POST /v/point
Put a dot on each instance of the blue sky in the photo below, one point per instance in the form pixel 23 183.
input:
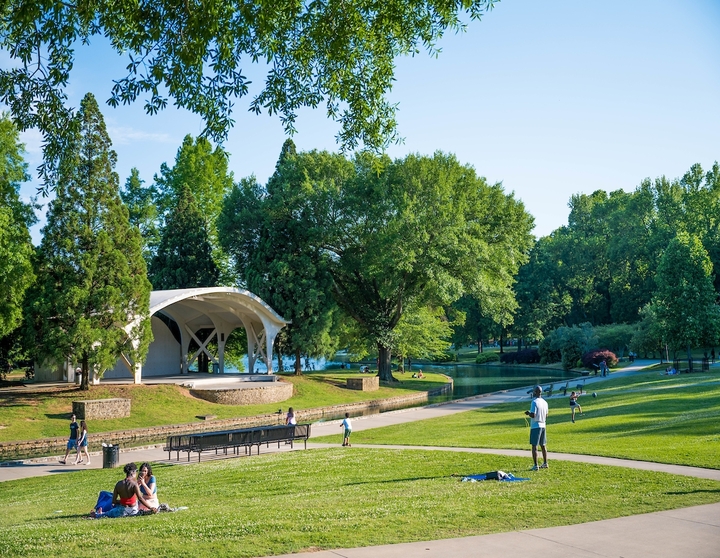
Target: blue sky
pixel 549 98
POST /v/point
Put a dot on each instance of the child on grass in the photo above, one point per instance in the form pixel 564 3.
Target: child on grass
pixel 574 405
pixel 347 426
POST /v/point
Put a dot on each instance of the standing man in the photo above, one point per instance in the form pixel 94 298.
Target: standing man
pixel 538 413
pixel 72 441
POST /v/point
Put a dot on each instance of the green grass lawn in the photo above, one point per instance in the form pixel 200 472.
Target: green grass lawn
pixel 40 415
pixel 321 499
pixel 651 417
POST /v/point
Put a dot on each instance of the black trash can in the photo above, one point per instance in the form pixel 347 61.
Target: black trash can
pixel 111 456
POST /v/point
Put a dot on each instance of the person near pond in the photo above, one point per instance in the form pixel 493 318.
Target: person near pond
pixel 72 441
pixel 346 425
pixel 126 496
pixel 290 419
pixel 604 368
pixel 574 405
pixel 538 414
pixel 82 445
pixel 148 487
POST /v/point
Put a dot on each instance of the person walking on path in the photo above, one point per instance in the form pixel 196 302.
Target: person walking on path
pixel 347 426
pixel 574 405
pixel 538 413
pixel 72 441
pixel 82 444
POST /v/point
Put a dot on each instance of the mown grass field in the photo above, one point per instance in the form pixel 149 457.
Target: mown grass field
pixel 321 499
pixel 46 414
pixel 651 417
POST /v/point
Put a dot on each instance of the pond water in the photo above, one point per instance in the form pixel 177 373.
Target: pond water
pixel 469 379
pixel 473 379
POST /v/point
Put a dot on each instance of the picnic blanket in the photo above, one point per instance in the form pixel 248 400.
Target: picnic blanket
pixel 494 475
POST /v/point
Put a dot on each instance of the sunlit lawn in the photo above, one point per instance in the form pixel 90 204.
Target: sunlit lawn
pixel 40 415
pixel 340 497
pixel 667 419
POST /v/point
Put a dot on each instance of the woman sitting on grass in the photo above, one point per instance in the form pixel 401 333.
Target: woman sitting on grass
pixel 126 496
pixel 148 486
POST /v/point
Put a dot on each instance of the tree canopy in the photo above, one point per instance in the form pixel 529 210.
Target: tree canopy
pixel 91 276
pixel 340 53
pixel 16 249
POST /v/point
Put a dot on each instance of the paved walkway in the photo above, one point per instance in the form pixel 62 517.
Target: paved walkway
pixel 685 533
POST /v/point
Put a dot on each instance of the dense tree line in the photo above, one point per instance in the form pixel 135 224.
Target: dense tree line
pixel 650 258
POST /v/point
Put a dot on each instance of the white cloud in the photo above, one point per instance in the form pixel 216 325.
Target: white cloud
pixel 123 136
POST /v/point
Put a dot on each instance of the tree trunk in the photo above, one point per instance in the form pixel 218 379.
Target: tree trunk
pixel 409 365
pixel 384 368
pixel 480 346
pixel 298 363
pixel 85 383
pixel 280 362
pixel 502 332
pixel 520 340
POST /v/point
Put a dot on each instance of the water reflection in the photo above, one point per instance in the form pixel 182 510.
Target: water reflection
pixel 473 379
pixel 469 379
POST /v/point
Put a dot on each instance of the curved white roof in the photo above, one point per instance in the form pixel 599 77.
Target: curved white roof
pixel 227 303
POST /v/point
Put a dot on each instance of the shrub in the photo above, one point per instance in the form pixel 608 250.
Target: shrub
pixel 615 337
pixel 567 344
pixel 592 359
pixel 483 358
pixel 525 356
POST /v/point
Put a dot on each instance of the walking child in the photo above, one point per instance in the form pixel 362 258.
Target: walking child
pixel 574 405
pixel 347 426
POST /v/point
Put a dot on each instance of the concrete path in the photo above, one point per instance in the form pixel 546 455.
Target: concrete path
pixel 684 533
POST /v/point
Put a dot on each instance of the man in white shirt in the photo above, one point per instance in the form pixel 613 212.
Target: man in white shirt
pixel 538 414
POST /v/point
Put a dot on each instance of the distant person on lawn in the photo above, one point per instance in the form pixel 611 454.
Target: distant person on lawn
pixel 72 441
pixel 574 405
pixel 126 496
pixel 347 426
pixel 538 413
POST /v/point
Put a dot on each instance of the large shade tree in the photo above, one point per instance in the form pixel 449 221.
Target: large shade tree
pixel 91 276
pixel 338 53
pixel 417 232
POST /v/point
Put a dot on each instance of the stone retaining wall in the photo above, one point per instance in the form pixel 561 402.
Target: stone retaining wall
pixel 371 383
pixel 138 436
pixel 273 393
pixel 100 409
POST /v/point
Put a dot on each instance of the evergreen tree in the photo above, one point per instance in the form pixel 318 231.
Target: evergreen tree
pixel 184 256
pixel 278 257
pixel 204 171
pixel 16 249
pixel 143 212
pixel 91 276
pixel 685 302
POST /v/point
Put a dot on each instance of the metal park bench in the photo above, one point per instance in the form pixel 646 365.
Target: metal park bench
pixel 244 438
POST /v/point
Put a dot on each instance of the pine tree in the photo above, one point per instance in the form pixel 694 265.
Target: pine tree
pixel 16 248
pixel 143 212
pixel 184 257
pixel 91 276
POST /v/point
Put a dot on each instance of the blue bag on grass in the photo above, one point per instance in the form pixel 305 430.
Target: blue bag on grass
pixel 104 501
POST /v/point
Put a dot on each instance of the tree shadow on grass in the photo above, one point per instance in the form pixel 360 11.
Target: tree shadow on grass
pixel 698 491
